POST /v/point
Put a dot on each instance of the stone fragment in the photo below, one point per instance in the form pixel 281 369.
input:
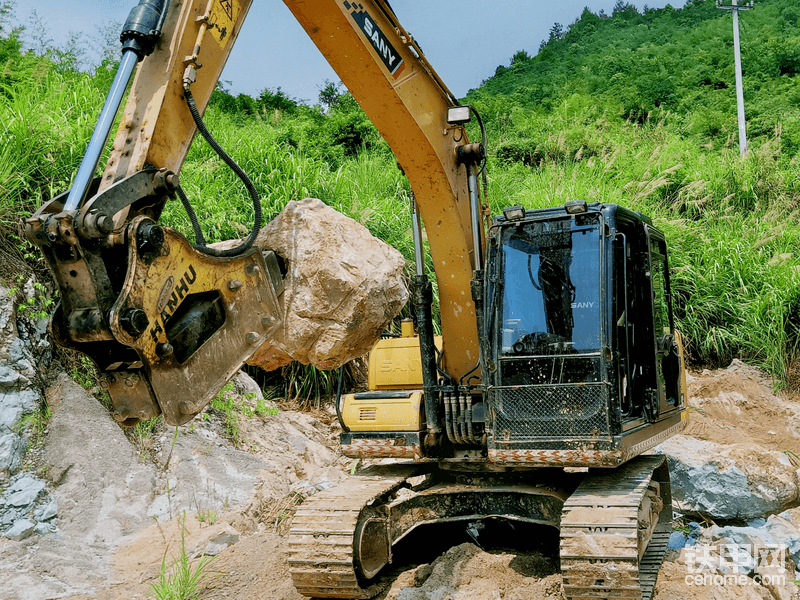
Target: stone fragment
pixel 677 540
pixel 24 491
pixel 21 529
pixel 14 404
pixel 43 528
pixel 12 449
pixel 47 511
pixel 7 517
pixel 220 542
pixel 783 531
pixel 745 536
pixel 246 386
pixel 343 287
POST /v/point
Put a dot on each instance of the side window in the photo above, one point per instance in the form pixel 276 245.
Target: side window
pixel 658 269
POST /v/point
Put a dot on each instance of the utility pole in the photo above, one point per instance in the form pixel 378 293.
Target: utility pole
pixel 735 7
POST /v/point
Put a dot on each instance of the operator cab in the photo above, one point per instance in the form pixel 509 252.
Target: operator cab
pixel 583 351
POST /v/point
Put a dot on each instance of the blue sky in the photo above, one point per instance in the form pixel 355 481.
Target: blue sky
pixel 464 40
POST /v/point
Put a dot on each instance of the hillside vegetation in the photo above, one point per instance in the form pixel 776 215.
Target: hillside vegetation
pixel 632 108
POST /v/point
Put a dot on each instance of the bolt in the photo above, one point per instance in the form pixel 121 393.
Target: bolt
pixel 104 383
pixel 252 270
pixel 134 322
pixel 267 321
pixel 173 180
pixel 130 381
pixel 187 408
pixel 252 337
pixel 150 237
pixel 165 349
pixel 105 224
pixel 235 285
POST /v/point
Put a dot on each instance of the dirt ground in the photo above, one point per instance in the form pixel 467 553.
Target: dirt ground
pixel 737 405
pixel 732 405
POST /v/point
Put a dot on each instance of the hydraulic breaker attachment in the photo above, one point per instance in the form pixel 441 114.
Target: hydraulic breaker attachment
pixel 158 317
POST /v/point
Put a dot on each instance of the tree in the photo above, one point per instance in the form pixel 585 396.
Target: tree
pixel 556 31
pixel 519 57
pixel 276 100
pixel 330 95
pixel 107 43
pixel 625 8
pixel 6 12
pixel 36 34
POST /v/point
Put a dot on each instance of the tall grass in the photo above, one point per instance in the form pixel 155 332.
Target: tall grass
pixel 46 119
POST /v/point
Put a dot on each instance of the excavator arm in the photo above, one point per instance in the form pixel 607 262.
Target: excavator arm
pixel 161 317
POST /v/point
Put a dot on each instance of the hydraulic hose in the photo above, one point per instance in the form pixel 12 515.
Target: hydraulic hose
pixel 251 189
pixel 345 428
pixel 198 232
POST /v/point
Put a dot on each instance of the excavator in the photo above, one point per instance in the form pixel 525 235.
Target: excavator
pixel 557 368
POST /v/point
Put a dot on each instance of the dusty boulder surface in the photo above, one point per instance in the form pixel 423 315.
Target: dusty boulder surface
pixel 729 481
pixel 343 286
pixel 101 496
pixel 112 511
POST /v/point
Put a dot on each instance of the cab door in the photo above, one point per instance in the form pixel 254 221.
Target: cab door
pixel 667 354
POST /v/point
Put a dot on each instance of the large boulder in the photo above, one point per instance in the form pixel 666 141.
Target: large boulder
pixel 343 287
pixel 736 481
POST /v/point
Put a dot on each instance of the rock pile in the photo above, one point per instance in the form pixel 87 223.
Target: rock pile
pixel 27 507
pixel 21 348
pixel 736 468
pixel 758 560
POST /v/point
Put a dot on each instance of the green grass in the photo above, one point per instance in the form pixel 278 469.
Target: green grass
pixel 183 580
pixel 142 435
pixel 35 422
pixel 233 409
pixel 225 403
